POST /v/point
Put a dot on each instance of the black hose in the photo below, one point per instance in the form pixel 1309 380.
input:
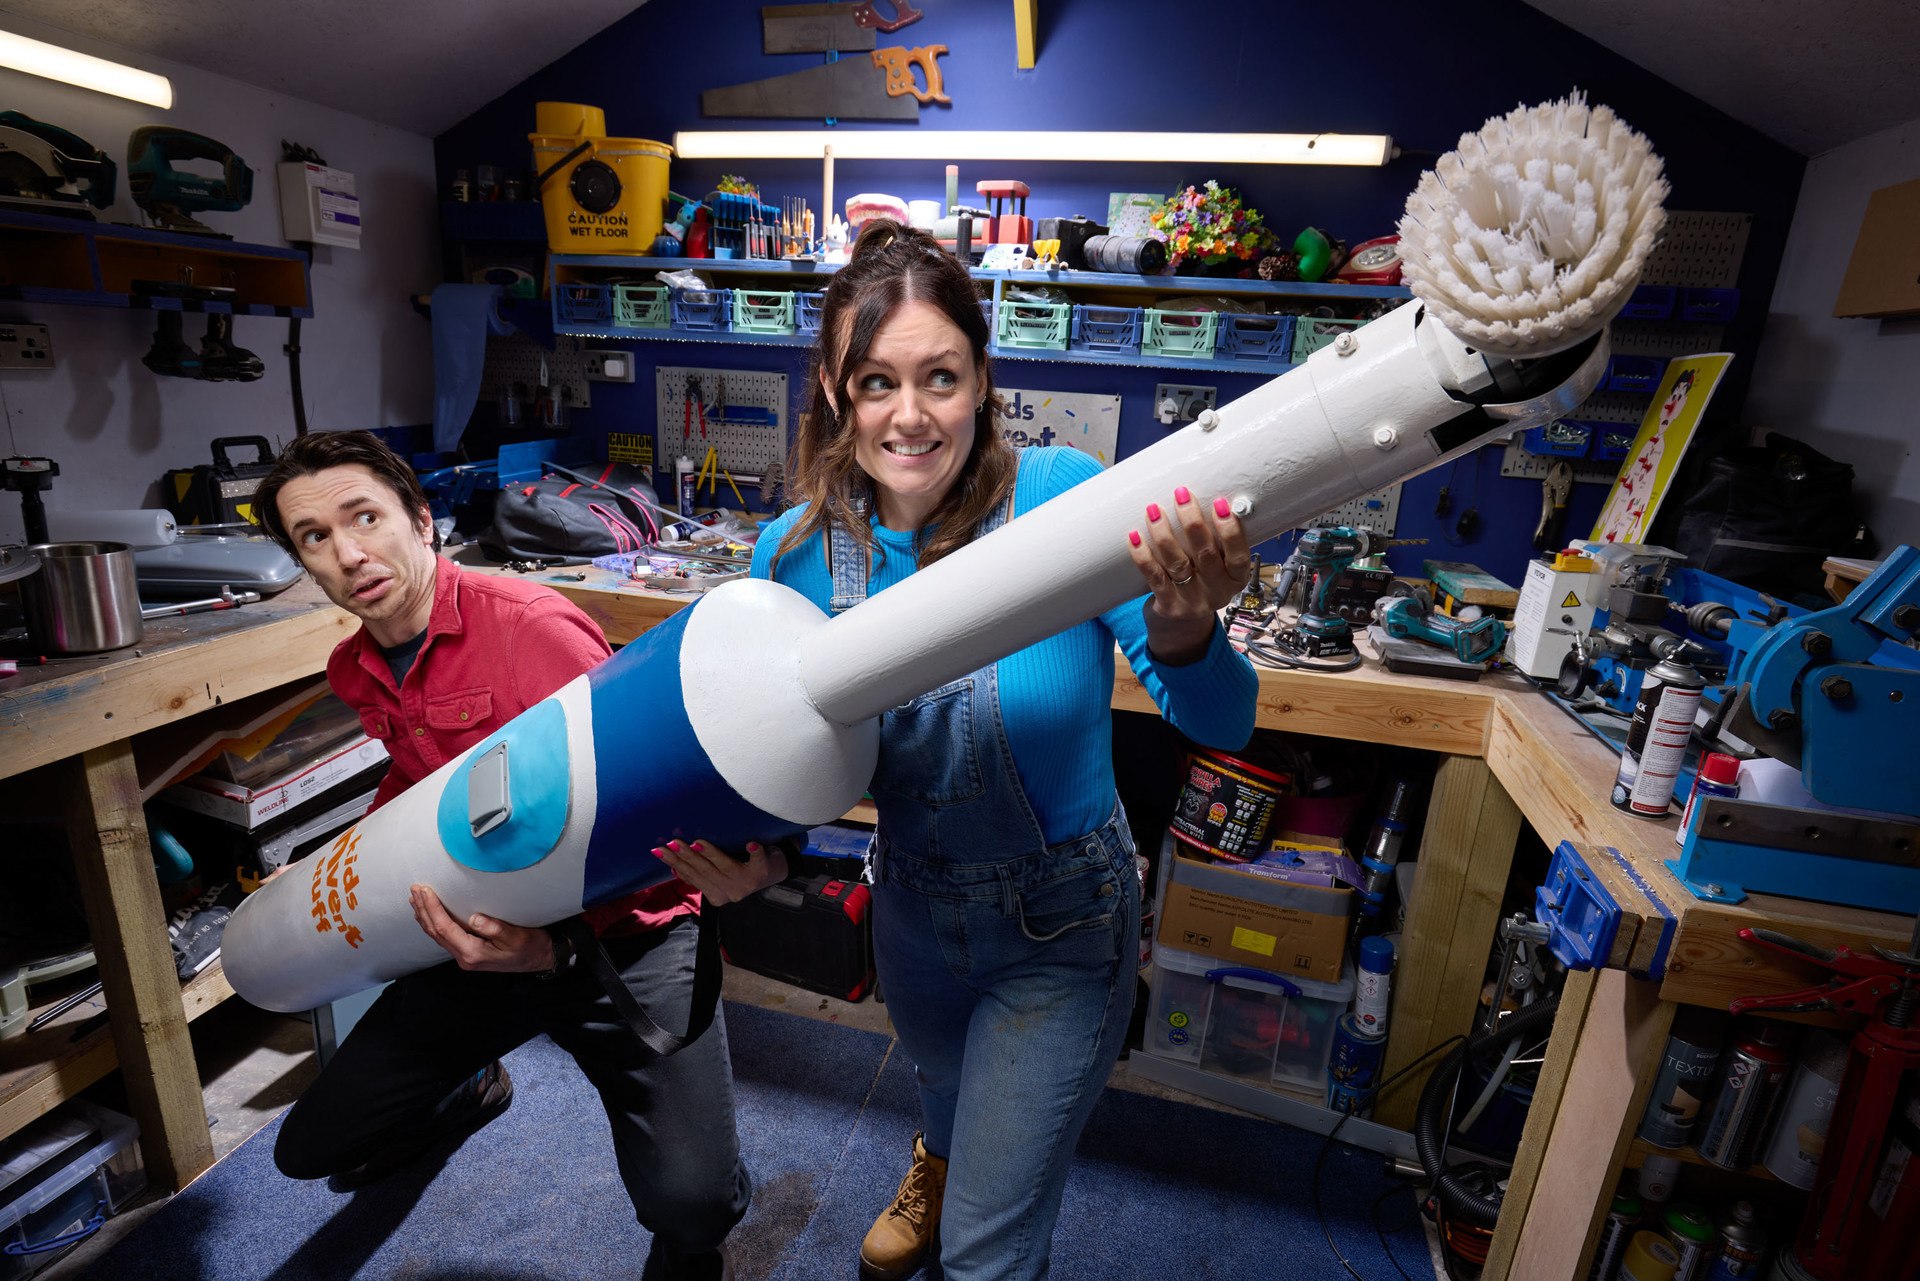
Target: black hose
pixel 293 374
pixel 1466 1196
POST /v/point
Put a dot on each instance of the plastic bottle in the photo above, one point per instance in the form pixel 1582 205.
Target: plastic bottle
pixel 684 482
pixel 1375 982
pixel 1719 775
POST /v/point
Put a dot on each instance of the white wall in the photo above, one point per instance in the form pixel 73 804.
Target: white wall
pixel 115 428
pixel 1849 388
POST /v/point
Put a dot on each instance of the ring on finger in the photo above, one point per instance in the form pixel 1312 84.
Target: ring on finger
pixel 1182 582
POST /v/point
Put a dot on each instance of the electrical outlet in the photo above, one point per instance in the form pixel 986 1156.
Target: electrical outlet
pixel 25 347
pixel 1176 405
pixel 608 366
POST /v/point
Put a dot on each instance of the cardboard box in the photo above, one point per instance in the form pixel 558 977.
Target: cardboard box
pixel 1255 920
pixel 249 807
pixel 1883 274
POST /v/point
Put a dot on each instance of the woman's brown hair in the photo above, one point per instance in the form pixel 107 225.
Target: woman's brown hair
pixel 891 265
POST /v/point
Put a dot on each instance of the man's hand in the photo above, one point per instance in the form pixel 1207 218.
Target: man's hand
pixel 482 943
pixel 718 876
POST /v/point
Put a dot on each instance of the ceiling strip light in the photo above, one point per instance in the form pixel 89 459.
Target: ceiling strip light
pixel 985 144
pixel 37 58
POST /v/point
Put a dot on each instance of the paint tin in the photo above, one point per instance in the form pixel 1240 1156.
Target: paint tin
pixel 1649 1257
pixel 1743 1247
pixel 1227 806
pixel 1657 738
pixel 1800 1132
pixel 1750 1079
pixel 1353 1067
pixel 1622 1219
pixel 1692 1235
pixel 1686 1076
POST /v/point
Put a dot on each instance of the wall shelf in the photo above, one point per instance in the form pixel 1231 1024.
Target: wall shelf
pixel 79 262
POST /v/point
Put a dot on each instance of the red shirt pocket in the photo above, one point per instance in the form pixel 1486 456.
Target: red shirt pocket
pixel 376 723
pixel 468 710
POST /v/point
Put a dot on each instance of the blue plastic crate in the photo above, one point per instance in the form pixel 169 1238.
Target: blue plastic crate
pixel 1650 302
pixel 1564 438
pixel 1635 373
pixel 986 313
pixel 1110 329
pixel 1709 306
pixel 1613 441
pixel 583 304
pixel 702 310
pixel 806 311
pixel 1254 337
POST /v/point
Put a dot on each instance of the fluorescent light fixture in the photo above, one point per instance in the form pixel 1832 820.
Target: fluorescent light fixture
pixel 994 144
pixel 37 58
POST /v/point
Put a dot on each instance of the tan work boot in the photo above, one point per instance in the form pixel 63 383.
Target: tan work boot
pixel 897 1242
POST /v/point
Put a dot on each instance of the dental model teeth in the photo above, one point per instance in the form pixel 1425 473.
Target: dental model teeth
pixel 1528 237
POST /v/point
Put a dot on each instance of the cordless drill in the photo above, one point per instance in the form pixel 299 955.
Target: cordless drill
pixel 1322 554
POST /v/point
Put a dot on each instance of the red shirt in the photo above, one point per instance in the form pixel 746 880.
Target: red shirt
pixel 494 647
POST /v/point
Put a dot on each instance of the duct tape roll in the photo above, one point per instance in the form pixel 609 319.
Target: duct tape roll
pixel 145 527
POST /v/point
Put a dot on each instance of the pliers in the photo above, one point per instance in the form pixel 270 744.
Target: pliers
pixel 1857 985
pixel 696 396
pixel 1553 507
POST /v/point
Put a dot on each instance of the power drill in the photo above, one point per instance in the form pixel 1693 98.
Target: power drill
pixel 1323 553
pixel 1413 618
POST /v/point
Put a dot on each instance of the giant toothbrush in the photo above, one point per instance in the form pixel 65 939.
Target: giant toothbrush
pixel 750 714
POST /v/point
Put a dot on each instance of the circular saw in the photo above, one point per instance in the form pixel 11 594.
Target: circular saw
pixel 45 169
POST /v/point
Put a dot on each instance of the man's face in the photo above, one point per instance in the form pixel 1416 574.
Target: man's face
pixel 370 555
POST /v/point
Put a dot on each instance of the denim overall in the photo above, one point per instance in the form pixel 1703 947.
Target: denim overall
pixel 1008 964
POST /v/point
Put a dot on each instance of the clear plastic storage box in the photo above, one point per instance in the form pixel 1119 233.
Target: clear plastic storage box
pixel 1267 1029
pixel 61 1177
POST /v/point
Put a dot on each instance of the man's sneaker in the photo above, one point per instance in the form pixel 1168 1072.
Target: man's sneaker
pixel 897 1243
pixel 471 1105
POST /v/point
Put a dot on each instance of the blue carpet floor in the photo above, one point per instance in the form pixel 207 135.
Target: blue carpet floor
pixel 827 1117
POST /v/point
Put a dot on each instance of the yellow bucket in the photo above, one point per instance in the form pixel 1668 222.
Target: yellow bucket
pixel 601 195
pixel 558 119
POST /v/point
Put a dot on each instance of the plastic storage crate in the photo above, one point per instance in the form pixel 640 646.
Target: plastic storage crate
pixel 1186 335
pixel 1709 306
pixel 702 310
pixel 1251 1025
pixel 1037 326
pixel 1256 338
pixel 1109 329
pixel 807 306
pixel 1635 373
pixel 577 304
pixel 986 313
pixel 1650 302
pixel 762 311
pixel 640 307
pixel 93 1171
pixel 1311 333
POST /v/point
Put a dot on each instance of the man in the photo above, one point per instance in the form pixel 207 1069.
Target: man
pixel 442 659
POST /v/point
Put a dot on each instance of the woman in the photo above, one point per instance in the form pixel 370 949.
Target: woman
pixel 1006 902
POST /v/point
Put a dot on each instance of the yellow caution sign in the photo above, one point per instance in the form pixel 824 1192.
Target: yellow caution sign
pixel 1571 602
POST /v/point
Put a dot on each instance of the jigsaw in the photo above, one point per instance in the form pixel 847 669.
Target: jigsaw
pixel 169 196
pixel 45 169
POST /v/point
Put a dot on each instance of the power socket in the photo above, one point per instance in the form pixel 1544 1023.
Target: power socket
pixel 608 366
pixel 25 347
pixel 1176 405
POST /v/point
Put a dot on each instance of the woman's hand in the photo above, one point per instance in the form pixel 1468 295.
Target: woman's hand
pixel 719 876
pixel 482 942
pixel 1195 561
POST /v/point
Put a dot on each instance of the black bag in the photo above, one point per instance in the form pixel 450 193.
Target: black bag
pixel 1767 516
pixel 572 518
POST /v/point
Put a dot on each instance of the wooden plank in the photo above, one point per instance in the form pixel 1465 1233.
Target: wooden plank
pixel 114 866
pixel 1026 33
pixel 1465 856
pixel 1612 1069
pixel 1711 964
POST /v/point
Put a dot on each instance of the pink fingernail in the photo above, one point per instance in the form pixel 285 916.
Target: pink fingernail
pixel 1182 496
pixel 658 852
pixel 1222 508
pixel 753 847
pixel 1153 511
pixel 1133 535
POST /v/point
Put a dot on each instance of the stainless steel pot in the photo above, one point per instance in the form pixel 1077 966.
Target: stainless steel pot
pixel 84 599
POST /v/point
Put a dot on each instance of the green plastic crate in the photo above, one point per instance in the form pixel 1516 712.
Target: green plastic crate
pixel 1311 333
pixel 1186 335
pixel 640 306
pixel 1041 326
pixel 763 311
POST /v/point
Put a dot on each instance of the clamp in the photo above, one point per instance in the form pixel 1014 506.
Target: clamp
pixel 1856 984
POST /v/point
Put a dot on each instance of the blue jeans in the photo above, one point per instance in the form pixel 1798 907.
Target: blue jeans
pixel 1010 985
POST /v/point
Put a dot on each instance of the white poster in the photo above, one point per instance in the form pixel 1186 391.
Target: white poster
pixel 1088 423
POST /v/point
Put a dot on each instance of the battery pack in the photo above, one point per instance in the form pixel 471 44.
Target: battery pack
pixel 812 930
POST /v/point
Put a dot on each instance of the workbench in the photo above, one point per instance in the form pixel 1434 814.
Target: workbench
pixel 1507 755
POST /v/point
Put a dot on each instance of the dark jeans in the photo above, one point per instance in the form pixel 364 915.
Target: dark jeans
pixel 672 1119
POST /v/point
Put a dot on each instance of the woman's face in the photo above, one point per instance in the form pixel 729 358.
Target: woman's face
pixel 912 405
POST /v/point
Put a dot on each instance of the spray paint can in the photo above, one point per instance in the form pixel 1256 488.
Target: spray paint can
pixel 1719 775
pixel 1686 1076
pixel 1800 1131
pixel 1649 1257
pixel 1743 1247
pixel 1658 1175
pixel 1353 1068
pixel 1691 1234
pixel 1375 982
pixel 1750 1079
pixel 1622 1219
pixel 1657 738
